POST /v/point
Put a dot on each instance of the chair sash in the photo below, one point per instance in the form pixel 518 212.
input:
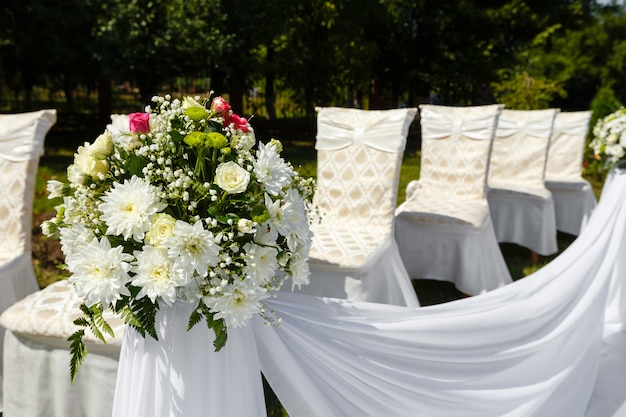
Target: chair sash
pixel 578 126
pixel 540 128
pixel 340 128
pixel 439 126
pixel 18 130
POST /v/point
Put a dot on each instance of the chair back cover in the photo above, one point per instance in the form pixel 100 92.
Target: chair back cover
pixel 456 147
pixel 358 167
pixel 565 156
pixel 21 144
pixel 520 148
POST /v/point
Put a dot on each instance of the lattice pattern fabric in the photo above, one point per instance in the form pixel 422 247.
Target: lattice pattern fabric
pixel 565 156
pixel 444 229
pixel 21 144
pixel 456 144
pixel 520 147
pixel 358 170
pixel 353 186
pixel 455 156
pixel 50 313
pixel 17 185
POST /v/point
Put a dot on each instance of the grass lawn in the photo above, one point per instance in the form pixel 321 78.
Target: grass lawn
pixel 298 141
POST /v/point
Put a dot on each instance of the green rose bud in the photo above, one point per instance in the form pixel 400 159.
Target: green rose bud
pixel 196 139
pixel 196 113
pixel 218 141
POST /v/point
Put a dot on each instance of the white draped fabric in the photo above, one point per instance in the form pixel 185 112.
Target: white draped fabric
pixel 573 196
pixel 21 144
pixel 443 229
pixel 532 348
pixel 18 130
pixel 522 208
pixel 181 376
pixel 551 344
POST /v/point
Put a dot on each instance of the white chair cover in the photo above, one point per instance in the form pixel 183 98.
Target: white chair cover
pixel 21 144
pixel 522 208
pixel 443 229
pixel 551 344
pixel 573 196
pixel 37 358
pixel 354 254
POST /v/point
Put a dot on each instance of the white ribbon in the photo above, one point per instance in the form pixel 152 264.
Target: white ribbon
pixel 436 125
pixel 384 130
pixel 572 125
pixel 22 135
pixel 539 127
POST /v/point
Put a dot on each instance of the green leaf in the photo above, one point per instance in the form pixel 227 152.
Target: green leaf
pixel 78 351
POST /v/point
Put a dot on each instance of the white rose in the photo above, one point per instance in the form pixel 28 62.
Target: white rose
pixel 162 227
pixel 102 146
pixel 232 178
pixel 86 164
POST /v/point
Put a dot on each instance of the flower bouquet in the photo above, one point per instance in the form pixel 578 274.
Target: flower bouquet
pixel 174 205
pixel 609 141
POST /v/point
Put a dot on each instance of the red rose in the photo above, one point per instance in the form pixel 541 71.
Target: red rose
pixel 220 106
pixel 238 122
pixel 139 122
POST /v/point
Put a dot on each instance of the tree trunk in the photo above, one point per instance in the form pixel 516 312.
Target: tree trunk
pixel 270 94
pixel 235 92
pixel 105 99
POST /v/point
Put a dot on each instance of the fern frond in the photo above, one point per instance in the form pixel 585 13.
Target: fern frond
pixel 78 351
pixel 145 311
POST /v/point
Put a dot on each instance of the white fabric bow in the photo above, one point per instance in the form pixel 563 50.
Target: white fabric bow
pixel 384 130
pixel 578 126
pixel 22 134
pixel 436 125
pixel 537 127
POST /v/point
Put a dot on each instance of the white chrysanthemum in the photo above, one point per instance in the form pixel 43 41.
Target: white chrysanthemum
pixel 128 208
pixel 194 247
pixel 266 235
pixel 237 303
pixel 55 189
pixel 300 271
pixel 295 216
pixel 100 272
pixel 73 238
pixel 271 170
pixel 261 262
pixel 157 275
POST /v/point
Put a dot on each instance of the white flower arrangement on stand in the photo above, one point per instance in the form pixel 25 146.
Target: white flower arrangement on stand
pixel 178 207
pixel 609 141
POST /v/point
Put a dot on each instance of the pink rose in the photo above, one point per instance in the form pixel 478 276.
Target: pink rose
pixel 139 122
pixel 238 122
pixel 220 106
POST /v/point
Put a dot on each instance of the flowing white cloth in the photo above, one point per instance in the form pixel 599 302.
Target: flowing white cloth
pixel 532 348
pixel 535 348
pixel 180 375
